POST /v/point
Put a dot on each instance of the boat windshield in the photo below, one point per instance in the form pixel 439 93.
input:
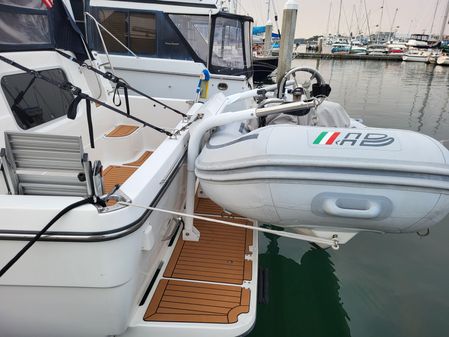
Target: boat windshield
pixel 229 36
pixel 227 47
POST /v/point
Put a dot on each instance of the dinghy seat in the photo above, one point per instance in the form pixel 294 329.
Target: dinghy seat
pixel 327 114
pixel 42 164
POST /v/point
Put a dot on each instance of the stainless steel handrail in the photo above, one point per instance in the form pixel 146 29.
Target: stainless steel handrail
pixel 100 27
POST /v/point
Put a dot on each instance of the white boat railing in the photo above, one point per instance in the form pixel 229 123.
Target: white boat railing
pixel 99 28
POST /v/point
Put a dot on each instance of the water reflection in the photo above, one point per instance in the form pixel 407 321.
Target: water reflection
pixel 389 285
pixel 428 87
pixel 304 297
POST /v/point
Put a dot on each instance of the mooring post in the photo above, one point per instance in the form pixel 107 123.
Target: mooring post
pixel 268 41
pixel 287 39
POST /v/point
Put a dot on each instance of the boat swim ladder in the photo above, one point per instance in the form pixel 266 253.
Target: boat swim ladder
pixel 190 233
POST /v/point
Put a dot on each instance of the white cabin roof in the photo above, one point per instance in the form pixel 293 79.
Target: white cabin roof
pixel 166 6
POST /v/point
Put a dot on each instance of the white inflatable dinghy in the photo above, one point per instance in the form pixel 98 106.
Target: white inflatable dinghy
pixel 340 176
pixel 302 176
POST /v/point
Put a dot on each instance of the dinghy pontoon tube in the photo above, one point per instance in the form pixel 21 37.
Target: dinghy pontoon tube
pixel 331 179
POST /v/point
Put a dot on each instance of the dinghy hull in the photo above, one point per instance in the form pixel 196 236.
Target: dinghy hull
pixel 348 179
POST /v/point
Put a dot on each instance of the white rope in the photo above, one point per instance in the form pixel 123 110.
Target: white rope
pixel 330 242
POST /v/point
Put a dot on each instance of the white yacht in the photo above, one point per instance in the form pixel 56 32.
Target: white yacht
pixel 417 55
pixel 83 251
pixel 172 42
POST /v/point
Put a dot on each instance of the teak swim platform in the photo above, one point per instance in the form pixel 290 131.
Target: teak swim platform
pixel 204 281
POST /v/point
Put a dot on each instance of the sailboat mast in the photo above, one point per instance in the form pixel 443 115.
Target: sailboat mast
pixel 367 21
pixel 443 26
pixel 276 18
pixel 380 21
pixel 328 19
pixel 268 10
pixel 392 24
pixel 433 20
pixel 339 18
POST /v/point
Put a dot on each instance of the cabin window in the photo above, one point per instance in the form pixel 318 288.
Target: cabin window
pixel 136 31
pixel 116 23
pixel 142 33
pixel 34 101
pixel 150 34
pixel 227 49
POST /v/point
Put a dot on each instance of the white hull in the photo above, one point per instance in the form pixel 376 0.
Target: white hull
pixel 179 52
pixel 443 60
pixel 415 58
pixel 87 276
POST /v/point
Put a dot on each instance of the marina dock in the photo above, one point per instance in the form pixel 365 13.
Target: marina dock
pixel 338 56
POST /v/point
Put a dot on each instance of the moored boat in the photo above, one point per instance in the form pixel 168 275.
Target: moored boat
pixel 340 48
pixel 83 251
pixel 416 55
pixel 442 60
pixel 377 49
pixel 169 40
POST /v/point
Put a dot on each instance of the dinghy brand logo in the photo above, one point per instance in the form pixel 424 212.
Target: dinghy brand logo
pixel 353 139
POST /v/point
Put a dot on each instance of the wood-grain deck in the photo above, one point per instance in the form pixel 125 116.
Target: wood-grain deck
pixel 116 174
pixel 203 281
pixel 184 301
pixel 122 130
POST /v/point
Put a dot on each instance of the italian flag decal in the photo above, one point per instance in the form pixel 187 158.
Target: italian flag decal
pixel 326 138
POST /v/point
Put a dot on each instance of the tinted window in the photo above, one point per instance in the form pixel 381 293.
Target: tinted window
pixel 137 31
pixel 142 33
pixel 150 34
pixel 115 23
pixel 35 101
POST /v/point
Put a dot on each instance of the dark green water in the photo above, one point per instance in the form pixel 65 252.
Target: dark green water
pixel 376 285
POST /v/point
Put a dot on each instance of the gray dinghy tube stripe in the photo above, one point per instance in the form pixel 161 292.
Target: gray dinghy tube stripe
pixel 239 140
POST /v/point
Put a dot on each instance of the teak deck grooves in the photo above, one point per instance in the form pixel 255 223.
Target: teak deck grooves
pixel 184 301
pixel 122 131
pixel 118 174
pixel 203 280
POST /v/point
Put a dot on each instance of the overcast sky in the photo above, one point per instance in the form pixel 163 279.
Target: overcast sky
pixel 414 16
